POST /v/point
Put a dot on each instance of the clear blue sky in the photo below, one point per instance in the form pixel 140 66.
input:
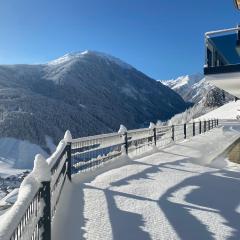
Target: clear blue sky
pixel 162 38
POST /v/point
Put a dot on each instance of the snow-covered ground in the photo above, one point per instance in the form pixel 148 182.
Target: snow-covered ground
pixel 20 153
pixel 228 111
pixel 175 193
pixel 10 178
pixel 7 169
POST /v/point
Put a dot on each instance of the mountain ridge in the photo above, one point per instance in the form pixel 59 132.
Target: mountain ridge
pixel 195 89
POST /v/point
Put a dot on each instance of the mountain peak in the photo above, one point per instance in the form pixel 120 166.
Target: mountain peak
pixel 69 57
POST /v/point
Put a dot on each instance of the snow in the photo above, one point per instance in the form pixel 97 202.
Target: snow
pixel 29 187
pixel 122 129
pixel 130 92
pixel 11 218
pixel 175 193
pixel 152 125
pixel 68 136
pixel 183 80
pixel 228 111
pixel 19 153
pixel 41 169
pixel 55 155
pixel 81 55
pixel 50 144
pixel 10 198
pixel 8 201
pixel 7 169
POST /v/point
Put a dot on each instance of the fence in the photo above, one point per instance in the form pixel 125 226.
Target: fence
pixel 32 214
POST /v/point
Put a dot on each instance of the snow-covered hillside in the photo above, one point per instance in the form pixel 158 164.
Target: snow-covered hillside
pixel 88 93
pixel 192 88
pixel 204 96
pixel 230 110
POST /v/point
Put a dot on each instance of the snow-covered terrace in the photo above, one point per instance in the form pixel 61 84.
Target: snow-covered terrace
pixel 188 190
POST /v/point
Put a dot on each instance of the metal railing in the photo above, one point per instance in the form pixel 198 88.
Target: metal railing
pixel 40 192
pixel 32 214
pixel 91 152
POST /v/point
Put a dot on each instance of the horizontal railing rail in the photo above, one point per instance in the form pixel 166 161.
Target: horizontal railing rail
pixel 32 214
pixel 90 152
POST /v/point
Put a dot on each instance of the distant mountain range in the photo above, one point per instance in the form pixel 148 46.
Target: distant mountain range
pixel 88 93
pixel 194 89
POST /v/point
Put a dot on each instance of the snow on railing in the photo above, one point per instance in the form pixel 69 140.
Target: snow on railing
pixel 23 219
pixel 90 152
pixel 32 214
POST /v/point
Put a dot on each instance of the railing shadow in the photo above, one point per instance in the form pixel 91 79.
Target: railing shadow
pixel 212 191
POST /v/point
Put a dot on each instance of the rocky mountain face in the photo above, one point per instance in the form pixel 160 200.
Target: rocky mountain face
pixel 194 89
pixel 88 93
pixel 204 96
pixel 190 87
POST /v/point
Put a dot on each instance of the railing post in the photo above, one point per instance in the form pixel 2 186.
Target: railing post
pixel 126 142
pixel 217 122
pixel 200 127
pixel 185 130
pixel 123 132
pixel 208 125
pixel 193 129
pixel 173 132
pixel 43 176
pixel 68 140
pixel 153 127
pixel 69 161
pixel 205 126
pixel 46 218
pixel 155 136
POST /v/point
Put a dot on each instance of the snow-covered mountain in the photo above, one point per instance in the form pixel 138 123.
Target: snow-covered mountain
pixel 88 93
pixel 204 96
pixel 192 88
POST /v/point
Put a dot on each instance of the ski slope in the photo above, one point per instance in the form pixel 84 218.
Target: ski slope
pixel 174 193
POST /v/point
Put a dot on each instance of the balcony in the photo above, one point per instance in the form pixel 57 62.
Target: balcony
pixel 222 62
